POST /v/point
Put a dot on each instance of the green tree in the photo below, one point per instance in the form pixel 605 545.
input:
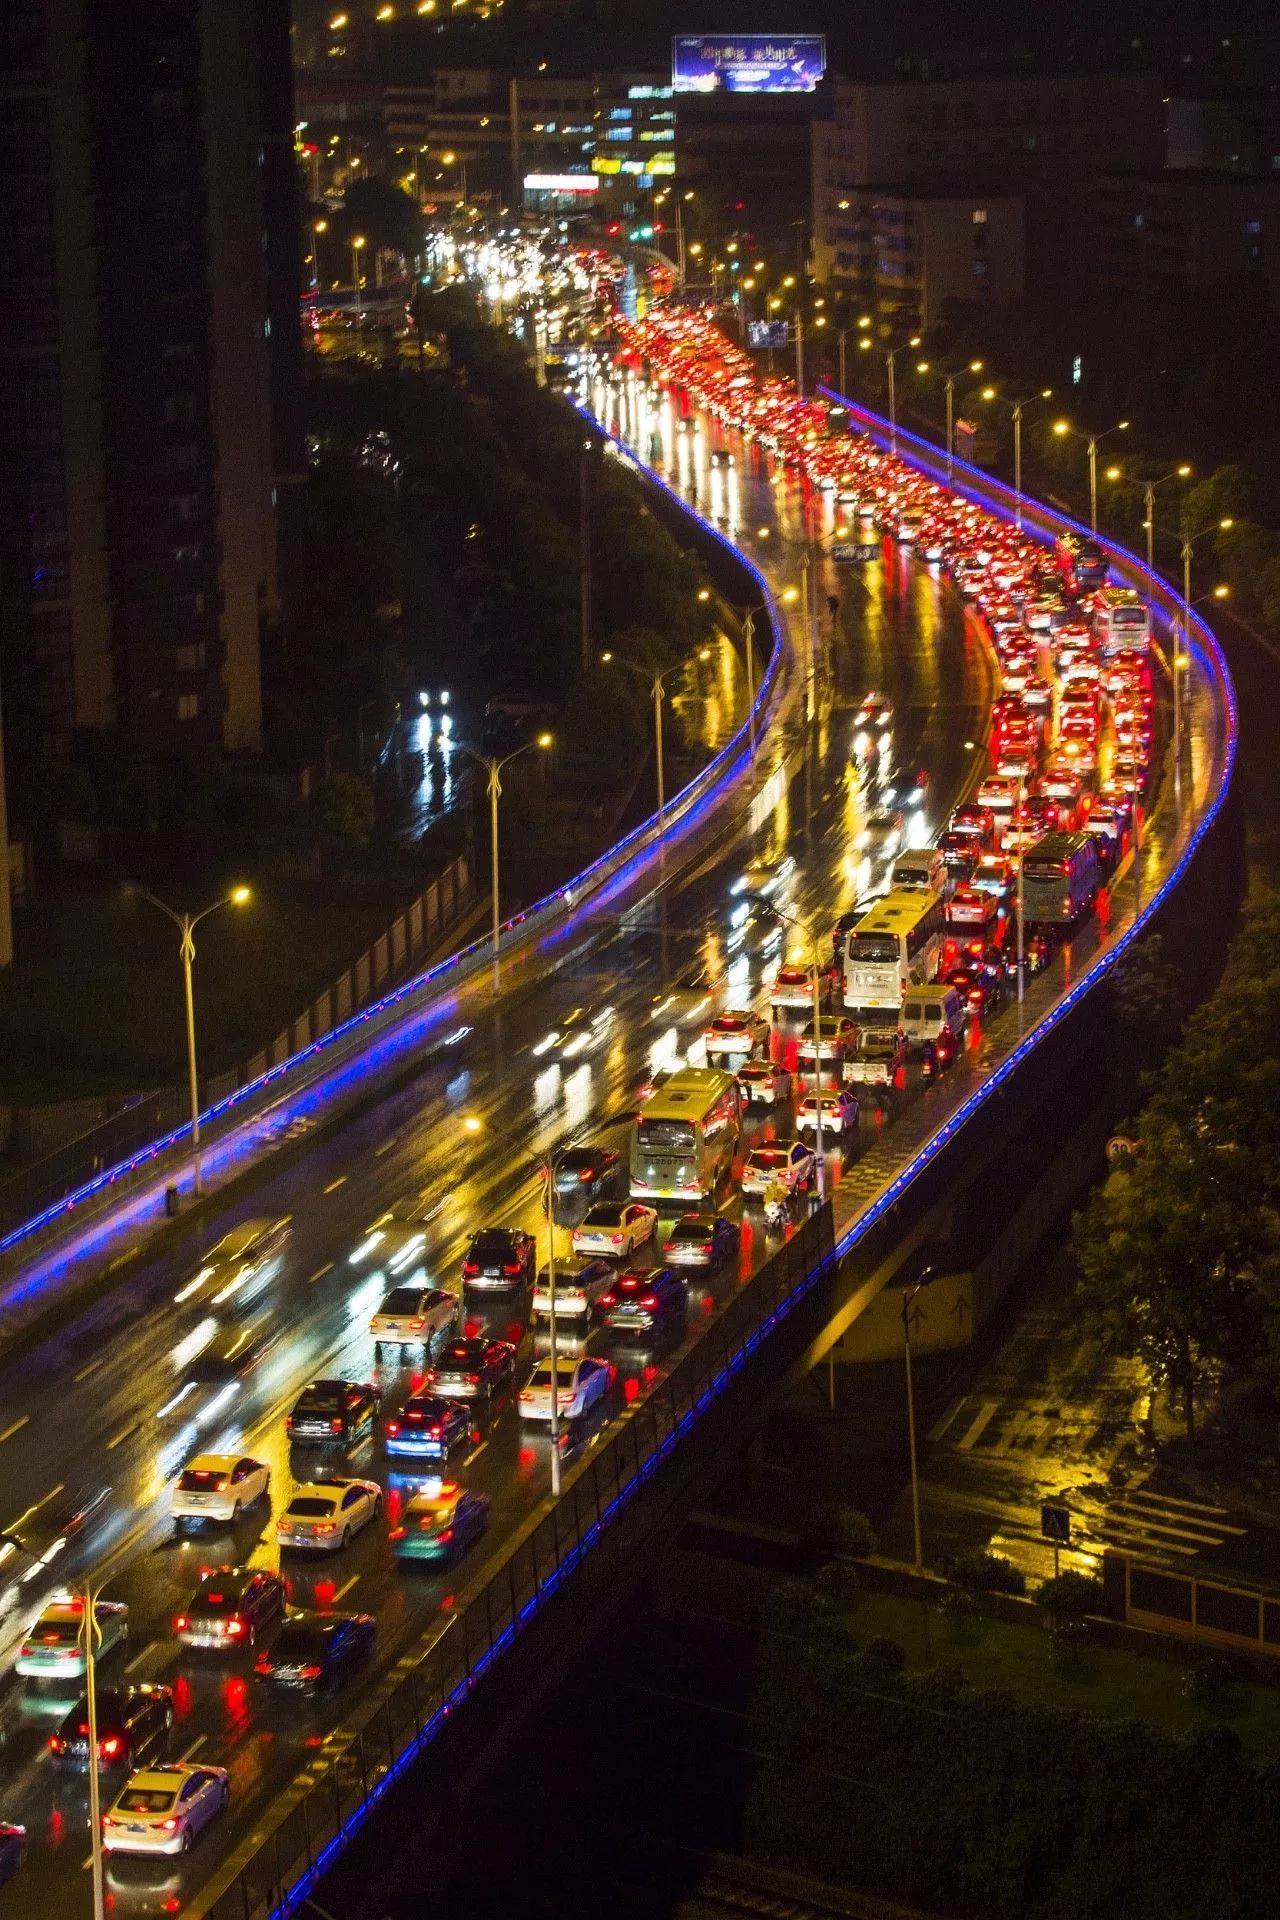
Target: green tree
pixel 383 214
pixel 340 814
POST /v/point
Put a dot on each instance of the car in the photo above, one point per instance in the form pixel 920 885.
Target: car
pixel 30 1546
pixel 643 1302
pixel 977 823
pixel 763 1084
pixel 790 1161
pixel 983 992
pixel 230 1608
pixel 315 1651
pixel 413 1316
pixel 213 1379
pixel 427 1427
pixel 880 835
pixel 241 1255
pixel 165 1809
pixel 615 1228
pixel 583 1172
pixel 215 1488
pixel 830 1047
pixel 578 1289
pixel 993 874
pixel 838 1106
pixel 333 1413
pixel 722 457
pixel 53 1646
pixel 998 793
pixel 581 1384
pixel 878 1058
pixel 768 878
pixel 132 1723
pixel 701 1240
pixel 499 1259
pixel 440 1522
pixel 324 1514
pixel 792 987
pixel 875 714
pixel 968 907
pixel 473 1369
pixel 735 1036
pixel 13 1849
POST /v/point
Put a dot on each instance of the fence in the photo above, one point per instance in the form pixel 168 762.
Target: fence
pixel 595 1515
pixel 1192 1607
pixel 141 1119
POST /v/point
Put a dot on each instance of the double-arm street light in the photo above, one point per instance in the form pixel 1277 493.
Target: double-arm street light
pixel 657 682
pixel 186 923
pixel 1016 410
pixel 890 358
pixel 908 1301
pixel 1094 440
pixel 493 767
pixel 949 384
pixel 1149 503
pixel 1189 543
pixel 864 341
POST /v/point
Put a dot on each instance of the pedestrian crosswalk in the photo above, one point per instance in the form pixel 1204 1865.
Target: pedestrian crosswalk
pixel 1096 1448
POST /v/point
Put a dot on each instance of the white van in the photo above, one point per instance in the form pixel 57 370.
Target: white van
pixel 921 869
pixel 930 1011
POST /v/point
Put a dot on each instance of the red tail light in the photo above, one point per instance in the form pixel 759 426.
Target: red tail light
pixel 609 1299
pixel 262 1664
pixel 586 1174
pixel 311 1672
pixel 335 1425
pixel 235 1627
pixel 168 1826
pixel 111 1746
pixel 433 1433
pixel 471 1266
pixel 57 1744
pixel 416 1326
pixel 511 1266
pixel 616 1239
pixel 705 1248
pixel 649 1301
pixel 392 1428
pixel 445 1535
pixel 181 1624
pixel 473 1379
pixel 396 1533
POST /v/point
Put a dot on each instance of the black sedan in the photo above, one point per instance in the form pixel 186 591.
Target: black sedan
pixel 13 1849
pixel 582 1173
pixel 474 1370
pixel 701 1240
pixel 643 1302
pixel 333 1413
pixel 133 1724
pixel 231 1608
pixel 313 1651
pixel 498 1260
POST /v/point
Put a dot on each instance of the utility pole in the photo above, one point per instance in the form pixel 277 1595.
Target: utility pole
pixel 6 905
pixel 584 553
pixel 517 182
pixel 800 356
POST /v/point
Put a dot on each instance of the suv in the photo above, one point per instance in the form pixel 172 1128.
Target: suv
pixel 933 1013
pixel 230 1608
pixel 475 1369
pixel 498 1259
pixel 133 1722
pixel 643 1302
pixel 333 1413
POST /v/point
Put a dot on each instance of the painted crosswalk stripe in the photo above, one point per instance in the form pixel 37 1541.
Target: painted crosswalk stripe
pixel 981 1421
pixel 1169 1500
pixel 1138 1522
pixel 936 1431
pixel 1007 1440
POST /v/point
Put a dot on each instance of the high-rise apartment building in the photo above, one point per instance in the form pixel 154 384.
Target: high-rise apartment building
pixel 142 278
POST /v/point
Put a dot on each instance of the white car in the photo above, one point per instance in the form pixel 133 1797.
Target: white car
pixel 998 794
pixel 580 1384
pixel 771 878
pixel 735 1035
pixel 414 1316
pixel 615 1228
pixel 325 1514
pixel 578 1289
pixel 881 837
pixel 217 1487
pixel 792 987
pixel 763 1084
pixel 241 1256
pixel 394 1246
pixel 163 1809
pixel 839 1111
pixel 53 1646
pixel 790 1161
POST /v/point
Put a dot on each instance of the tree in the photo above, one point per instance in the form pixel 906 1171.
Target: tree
pixel 340 814
pixel 1167 1250
pixel 385 216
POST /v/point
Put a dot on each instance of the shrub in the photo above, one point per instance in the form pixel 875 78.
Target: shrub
pixel 880 1661
pixel 831 1528
pixel 984 1572
pixel 838 1581
pixel 1072 1593
pixel 1210 1684
pixel 1067 1643
pixel 960 1611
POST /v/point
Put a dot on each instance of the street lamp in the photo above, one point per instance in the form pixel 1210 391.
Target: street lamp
pixel 317 228
pixel 908 1301
pixel 889 359
pixel 1189 544
pixel 186 923
pixel 804 927
pixel 1016 409
pixel 493 767
pixel 358 242
pixel 975 366
pixel 1149 503
pixel 1094 440
pixel 657 682
pixel 790 595
pixel 864 320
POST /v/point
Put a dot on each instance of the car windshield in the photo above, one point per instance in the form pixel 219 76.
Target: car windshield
pixel 310 1507
pixel 576 1159
pixel 403 1300
pixel 56 1633
pixel 212 1368
pixel 326 1396
pixel 146 1800
pixel 693 1229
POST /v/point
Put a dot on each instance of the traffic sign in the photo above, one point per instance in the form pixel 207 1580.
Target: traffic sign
pixel 854 552
pixel 1055 1523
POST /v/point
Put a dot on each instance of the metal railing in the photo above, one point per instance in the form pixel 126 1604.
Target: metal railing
pixel 590 1515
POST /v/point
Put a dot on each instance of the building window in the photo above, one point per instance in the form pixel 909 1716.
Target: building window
pixel 189 660
pixel 980 216
pixel 188 706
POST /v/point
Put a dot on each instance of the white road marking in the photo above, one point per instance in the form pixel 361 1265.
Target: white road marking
pixel 475 1453
pixel 1007 1440
pixel 344 1590
pixel 981 1421
pixel 333 1185
pixel 1192 1506
pixel 940 1426
pixel 124 1434
pixel 320 1272
pixel 384 1148
pixel 141 1655
pixel 194 1748
pixel 91 1368
pixel 17 1427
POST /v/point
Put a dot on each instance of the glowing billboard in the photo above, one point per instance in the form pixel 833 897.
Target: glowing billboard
pixel 747 62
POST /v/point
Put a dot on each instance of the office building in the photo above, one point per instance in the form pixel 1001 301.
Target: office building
pixel 1157 235
pixel 149 297
pixel 909 253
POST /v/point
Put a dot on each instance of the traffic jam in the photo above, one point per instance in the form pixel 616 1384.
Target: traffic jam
pixel 748 1119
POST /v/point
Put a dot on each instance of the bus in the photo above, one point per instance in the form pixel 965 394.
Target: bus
pixel 1122 619
pixel 1081 562
pixel 1060 879
pixel 896 945
pixel 685 1136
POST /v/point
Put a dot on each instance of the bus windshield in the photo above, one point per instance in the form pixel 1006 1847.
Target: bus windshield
pixel 873 946
pixel 665 1136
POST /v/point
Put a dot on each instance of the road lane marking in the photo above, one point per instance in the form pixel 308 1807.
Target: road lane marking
pixel 17 1427
pixel 1189 1528
pixel 939 1428
pixel 475 1453
pixel 91 1368
pixel 981 1421
pixel 1007 1440
pixel 343 1591
pixel 384 1148
pixel 333 1185
pixel 124 1434
pixel 194 1748
pixel 320 1272
pixel 140 1656
pixel 1168 1500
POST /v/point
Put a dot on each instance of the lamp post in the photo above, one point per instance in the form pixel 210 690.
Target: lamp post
pixel 889 359
pixel 317 228
pixel 1149 502
pixel 358 242
pixel 493 767
pixel 1189 543
pixel 1094 441
pixel 186 923
pixel 949 387
pixel 658 687
pixel 1016 411
pixel 908 1300
pixel 864 321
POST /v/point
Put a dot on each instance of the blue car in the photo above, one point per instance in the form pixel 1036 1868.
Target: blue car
pixel 427 1428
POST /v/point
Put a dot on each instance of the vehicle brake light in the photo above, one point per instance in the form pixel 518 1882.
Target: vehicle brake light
pixel 609 1299
pixel 335 1425
pixel 169 1826
pixel 234 1627
pixel 416 1326
pixel 649 1301
pixel 56 1743
pixel 473 1379
pixel 511 1266
pixel 585 1174
pixel 311 1672
pixel 111 1746
pixel 181 1624
pixel 433 1433
pixel 262 1664
pixel 616 1239
pixel 526 1395
pixel 396 1533
pixel 393 1428
pixel 326 1526
pixel 471 1266
pixel 445 1535
pixel 705 1248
